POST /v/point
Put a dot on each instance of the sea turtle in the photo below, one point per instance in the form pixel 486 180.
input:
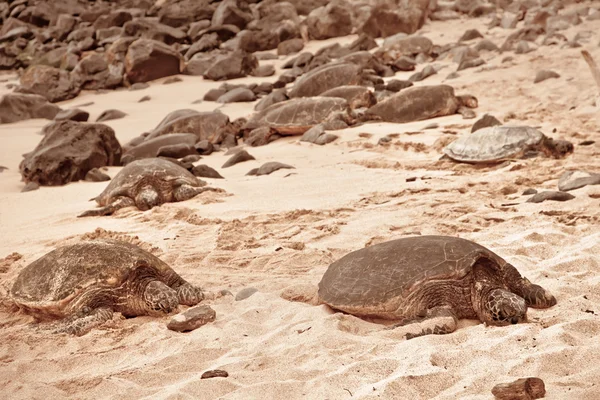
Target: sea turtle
pixel 429 280
pixel 83 284
pixel 417 103
pixel 296 116
pixel 501 142
pixel 326 77
pixel 148 183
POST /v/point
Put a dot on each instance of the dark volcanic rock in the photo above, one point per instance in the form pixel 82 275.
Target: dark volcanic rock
pixel 238 157
pixel 52 83
pixel 147 60
pixel 237 64
pixel 95 175
pixel 204 171
pixel 550 195
pixel 110 114
pixel 333 20
pixel 68 151
pixel 74 114
pixel 18 107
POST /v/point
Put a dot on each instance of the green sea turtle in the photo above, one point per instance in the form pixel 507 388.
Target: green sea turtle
pixel 429 280
pixel 148 183
pixel 501 142
pixel 417 103
pixel 82 285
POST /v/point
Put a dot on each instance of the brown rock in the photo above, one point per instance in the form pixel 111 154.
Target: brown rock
pixel 110 115
pixel 95 175
pixel 521 389
pixel 215 373
pixel 52 83
pixel 290 46
pixel 266 169
pixel 333 20
pixel 192 318
pixel 149 148
pixel 237 95
pixel 237 64
pixel 18 107
pixel 387 19
pixel 204 171
pixel 229 13
pixel 484 122
pixel 545 74
pixel 150 29
pixel 147 60
pixel 186 11
pixel 114 19
pixel 263 71
pixel 179 150
pixel 74 114
pixel 550 195
pixel 93 72
pixel 238 157
pixel 68 151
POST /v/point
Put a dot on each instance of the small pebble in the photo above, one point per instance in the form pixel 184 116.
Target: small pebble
pixel 245 293
pixel 215 373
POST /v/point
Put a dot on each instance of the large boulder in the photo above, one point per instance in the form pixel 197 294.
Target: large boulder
pixel 18 107
pixel 229 12
pixel 237 64
pixel 68 151
pixel 182 12
pixel 333 20
pixel 52 83
pixel 388 18
pixel 147 60
pixel 93 72
pixel 150 29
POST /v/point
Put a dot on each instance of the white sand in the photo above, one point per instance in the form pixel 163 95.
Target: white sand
pixel 275 231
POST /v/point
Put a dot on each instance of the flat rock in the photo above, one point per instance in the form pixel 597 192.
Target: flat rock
pixel 550 195
pixel 16 107
pixel 268 168
pixel 571 180
pixel 192 318
pixel 204 171
pixel 545 74
pixel 238 157
pixel 110 115
pixel 52 83
pixel 245 293
pixel 95 175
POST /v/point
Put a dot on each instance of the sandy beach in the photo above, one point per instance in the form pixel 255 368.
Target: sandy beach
pixel 273 232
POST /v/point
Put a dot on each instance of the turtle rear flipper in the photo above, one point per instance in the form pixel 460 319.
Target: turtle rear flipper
pixel 436 321
pixel 80 324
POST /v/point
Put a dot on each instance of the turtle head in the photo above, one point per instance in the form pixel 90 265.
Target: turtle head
pixel 502 307
pixel 159 298
pixel 468 100
pixel 147 198
pixel 556 148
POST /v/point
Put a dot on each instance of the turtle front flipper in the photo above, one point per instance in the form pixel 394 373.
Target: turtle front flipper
pixel 535 296
pixel 466 112
pixel 82 323
pixel 186 192
pixel 436 321
pixel 119 203
pixel 189 295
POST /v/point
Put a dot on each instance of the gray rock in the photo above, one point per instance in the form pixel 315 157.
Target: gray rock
pixel 95 175
pixel 550 195
pixel 545 74
pixel 268 168
pixel 178 150
pixel 571 180
pixel 192 318
pixel 237 95
pixel 110 115
pixel 245 293
pixel 238 157
pixel 484 122
pixel 204 171
pixel 529 192
pixel 74 114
